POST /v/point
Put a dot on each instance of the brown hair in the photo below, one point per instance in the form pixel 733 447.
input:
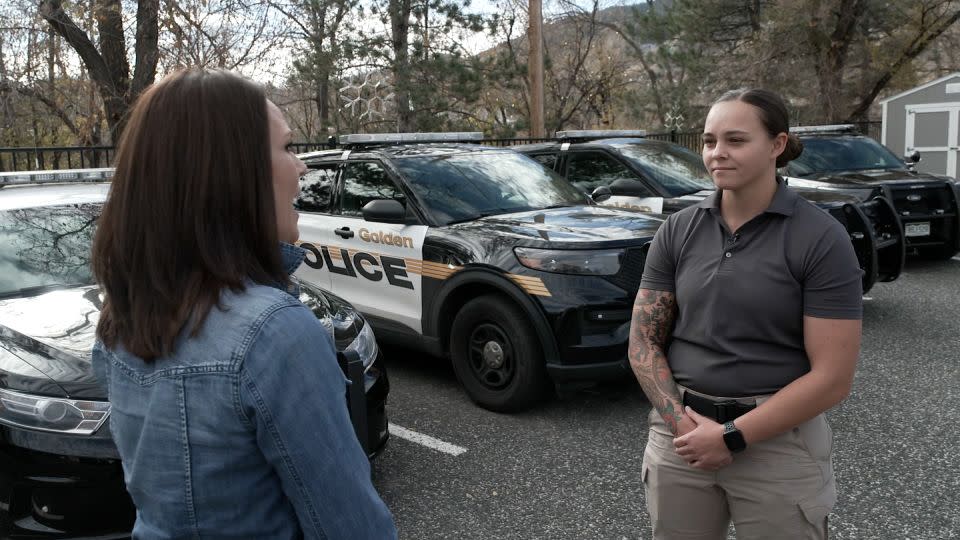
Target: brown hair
pixel 190 210
pixel 773 115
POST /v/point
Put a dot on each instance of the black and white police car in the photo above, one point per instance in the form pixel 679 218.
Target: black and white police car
pixel 622 168
pixel 60 474
pixel 475 253
pixel 838 157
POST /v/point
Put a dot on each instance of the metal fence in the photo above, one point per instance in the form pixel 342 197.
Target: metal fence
pixel 874 130
pixel 83 157
pixel 302 147
pixel 689 139
pixel 55 157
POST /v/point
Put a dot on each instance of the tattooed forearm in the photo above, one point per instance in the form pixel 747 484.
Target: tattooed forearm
pixel 653 315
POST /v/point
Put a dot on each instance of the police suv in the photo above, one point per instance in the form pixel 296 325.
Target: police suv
pixel 60 473
pixel 839 158
pixel 622 168
pixel 475 253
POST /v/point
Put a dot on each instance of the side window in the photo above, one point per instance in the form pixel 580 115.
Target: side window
pixel 588 171
pixel 547 160
pixel 364 182
pixel 316 189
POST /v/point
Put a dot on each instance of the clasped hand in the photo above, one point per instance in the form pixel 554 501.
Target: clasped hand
pixel 703 447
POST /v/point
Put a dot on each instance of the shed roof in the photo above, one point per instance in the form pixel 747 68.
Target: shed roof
pixel 922 86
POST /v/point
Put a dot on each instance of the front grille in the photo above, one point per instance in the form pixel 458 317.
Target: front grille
pixel 932 204
pixel 631 269
pixel 922 200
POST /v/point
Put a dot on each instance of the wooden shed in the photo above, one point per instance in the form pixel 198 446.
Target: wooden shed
pixel 926 119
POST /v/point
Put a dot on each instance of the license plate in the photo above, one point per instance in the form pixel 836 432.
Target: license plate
pixel 921 228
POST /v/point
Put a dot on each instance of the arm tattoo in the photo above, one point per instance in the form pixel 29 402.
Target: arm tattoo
pixel 654 313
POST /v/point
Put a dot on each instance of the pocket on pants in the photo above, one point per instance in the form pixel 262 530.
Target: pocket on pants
pixel 816 508
pixel 816 438
pixel 647 481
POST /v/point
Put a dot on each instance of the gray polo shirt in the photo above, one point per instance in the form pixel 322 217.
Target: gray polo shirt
pixel 742 297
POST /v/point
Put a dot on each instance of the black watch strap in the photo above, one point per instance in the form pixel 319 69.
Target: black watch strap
pixel 733 438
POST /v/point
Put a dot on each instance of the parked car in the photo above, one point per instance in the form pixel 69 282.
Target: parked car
pixel 478 254
pixel 626 170
pixel 839 158
pixel 60 474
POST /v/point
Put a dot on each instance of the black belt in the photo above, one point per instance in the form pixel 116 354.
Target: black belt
pixel 720 411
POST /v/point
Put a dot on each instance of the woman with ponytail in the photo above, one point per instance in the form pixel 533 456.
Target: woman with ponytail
pixel 746 330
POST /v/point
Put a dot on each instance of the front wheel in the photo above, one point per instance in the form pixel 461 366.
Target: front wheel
pixel 497 356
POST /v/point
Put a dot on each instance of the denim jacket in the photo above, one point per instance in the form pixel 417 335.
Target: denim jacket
pixel 243 431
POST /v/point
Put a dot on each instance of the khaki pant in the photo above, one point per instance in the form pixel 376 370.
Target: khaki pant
pixel 781 488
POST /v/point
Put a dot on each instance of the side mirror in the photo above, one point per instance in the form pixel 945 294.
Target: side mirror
pixel 629 187
pixel 913 157
pixel 384 211
pixel 601 194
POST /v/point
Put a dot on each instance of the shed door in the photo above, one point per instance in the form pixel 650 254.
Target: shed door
pixel 934 131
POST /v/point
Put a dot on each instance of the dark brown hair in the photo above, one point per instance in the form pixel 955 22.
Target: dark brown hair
pixel 773 115
pixel 190 210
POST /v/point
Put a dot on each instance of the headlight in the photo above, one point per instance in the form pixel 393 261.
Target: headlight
pixel 59 415
pixel 365 345
pixel 594 262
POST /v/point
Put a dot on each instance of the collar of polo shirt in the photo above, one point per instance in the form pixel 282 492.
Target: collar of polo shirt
pixel 783 200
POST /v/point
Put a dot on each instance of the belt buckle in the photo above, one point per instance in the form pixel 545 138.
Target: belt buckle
pixel 724 411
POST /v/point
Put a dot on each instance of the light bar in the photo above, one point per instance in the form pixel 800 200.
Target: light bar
pixel 599 133
pixel 381 138
pixel 66 176
pixel 822 129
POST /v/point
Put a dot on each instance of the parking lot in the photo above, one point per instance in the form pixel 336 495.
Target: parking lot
pixel 570 468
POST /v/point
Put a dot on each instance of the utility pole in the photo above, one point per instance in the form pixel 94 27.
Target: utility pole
pixel 535 66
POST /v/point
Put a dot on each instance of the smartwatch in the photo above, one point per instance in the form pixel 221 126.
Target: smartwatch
pixel 733 438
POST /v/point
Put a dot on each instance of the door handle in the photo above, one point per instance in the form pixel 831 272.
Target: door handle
pixel 343 232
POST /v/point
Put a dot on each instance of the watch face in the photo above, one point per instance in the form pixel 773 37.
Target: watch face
pixel 733 438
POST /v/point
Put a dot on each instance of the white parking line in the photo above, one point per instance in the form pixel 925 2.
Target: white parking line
pixel 868 298
pixel 957 258
pixel 426 440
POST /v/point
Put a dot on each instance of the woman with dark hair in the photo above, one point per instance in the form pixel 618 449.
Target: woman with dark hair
pixel 227 403
pixel 746 329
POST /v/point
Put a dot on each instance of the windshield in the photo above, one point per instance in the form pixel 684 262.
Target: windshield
pixel 677 169
pixel 467 186
pixel 824 155
pixel 45 247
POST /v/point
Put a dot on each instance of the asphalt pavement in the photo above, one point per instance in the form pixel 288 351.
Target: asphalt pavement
pixel 570 469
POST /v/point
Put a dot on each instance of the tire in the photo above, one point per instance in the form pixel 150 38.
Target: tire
pixel 497 356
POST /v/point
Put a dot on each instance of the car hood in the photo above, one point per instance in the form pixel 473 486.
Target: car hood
pixel 820 197
pixel 825 198
pixel 873 178
pixel 574 226
pixel 46 342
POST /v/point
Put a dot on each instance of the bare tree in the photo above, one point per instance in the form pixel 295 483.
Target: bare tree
pixel 831 29
pixel 227 34
pixel 928 20
pixel 107 65
pixel 399 13
pixel 322 28
pixel 43 95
